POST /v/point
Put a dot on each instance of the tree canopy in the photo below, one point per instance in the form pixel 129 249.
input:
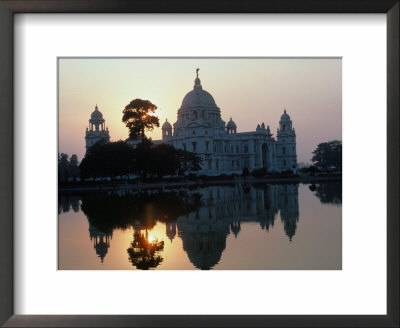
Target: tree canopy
pixel 68 168
pixel 138 119
pixel 111 159
pixel 108 159
pixel 328 155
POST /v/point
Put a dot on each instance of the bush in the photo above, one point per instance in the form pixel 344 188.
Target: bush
pixel 259 173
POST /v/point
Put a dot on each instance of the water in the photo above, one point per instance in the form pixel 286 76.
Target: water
pixel 275 226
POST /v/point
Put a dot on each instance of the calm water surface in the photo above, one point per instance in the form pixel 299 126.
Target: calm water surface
pixel 281 226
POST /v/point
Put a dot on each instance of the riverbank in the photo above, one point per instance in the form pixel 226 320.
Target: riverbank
pixel 118 186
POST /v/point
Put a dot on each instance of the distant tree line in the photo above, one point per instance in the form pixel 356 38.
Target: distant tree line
pixel 68 168
pixel 118 159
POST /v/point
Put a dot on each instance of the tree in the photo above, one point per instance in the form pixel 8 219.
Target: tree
pixel 188 161
pixel 166 160
pixel 163 159
pixel 259 173
pixel 63 164
pixel 108 159
pixel 143 159
pixel 73 167
pixel 328 155
pixel 138 119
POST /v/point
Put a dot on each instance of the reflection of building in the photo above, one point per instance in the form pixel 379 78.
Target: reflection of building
pixel 203 238
pixel 97 129
pixel 101 241
pixel 225 209
pixel 200 129
pixel 289 208
pixel 203 225
pixel 170 228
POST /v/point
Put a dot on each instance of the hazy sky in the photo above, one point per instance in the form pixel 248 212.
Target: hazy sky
pixel 250 90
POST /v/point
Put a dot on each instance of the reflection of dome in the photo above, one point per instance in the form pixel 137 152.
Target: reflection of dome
pixel 166 125
pixel 204 250
pixel 203 241
pixel 285 117
pixel 96 115
pixel 198 97
pixel 231 125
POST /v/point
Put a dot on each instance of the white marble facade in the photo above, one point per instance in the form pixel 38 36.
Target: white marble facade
pixel 200 129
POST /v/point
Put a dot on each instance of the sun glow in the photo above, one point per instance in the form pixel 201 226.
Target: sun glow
pixel 150 238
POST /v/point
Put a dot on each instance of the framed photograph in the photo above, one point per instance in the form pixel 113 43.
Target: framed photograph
pixel 199 163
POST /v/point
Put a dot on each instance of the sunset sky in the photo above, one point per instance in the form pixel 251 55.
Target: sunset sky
pixel 250 90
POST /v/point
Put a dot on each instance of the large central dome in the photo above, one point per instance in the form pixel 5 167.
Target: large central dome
pixel 198 98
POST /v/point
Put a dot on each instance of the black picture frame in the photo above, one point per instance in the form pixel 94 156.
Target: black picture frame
pixel 10 7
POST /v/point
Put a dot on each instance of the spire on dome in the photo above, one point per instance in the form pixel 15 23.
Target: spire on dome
pixel 197 82
pixel 96 108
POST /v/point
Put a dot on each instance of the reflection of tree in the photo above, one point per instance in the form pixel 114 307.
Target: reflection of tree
pixel 140 210
pixel 328 192
pixel 65 203
pixel 145 254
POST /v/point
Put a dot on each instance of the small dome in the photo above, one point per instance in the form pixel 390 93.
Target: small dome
pixel 96 115
pixel 285 117
pixel 231 124
pixel 166 125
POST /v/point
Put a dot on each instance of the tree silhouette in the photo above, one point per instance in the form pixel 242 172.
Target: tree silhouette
pixel 138 119
pixel 73 166
pixel 188 161
pixel 114 211
pixel 144 161
pixel 108 159
pixel 63 164
pixel 328 155
pixel 145 254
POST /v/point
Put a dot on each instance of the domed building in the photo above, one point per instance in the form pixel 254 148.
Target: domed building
pixel 200 129
pixel 97 130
